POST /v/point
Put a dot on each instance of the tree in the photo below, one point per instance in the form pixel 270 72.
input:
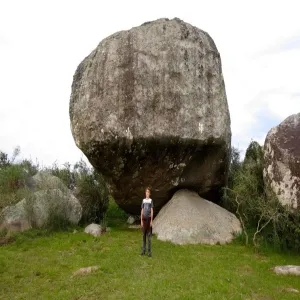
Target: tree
pixel 4 161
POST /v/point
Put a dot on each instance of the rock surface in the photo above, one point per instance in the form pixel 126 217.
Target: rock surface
pixel 148 107
pixel 93 229
pixel 45 181
pixel 292 290
pixel 189 219
pixel 282 161
pixel 15 218
pixel 54 200
pixel 130 220
pixel 85 271
pixel 287 270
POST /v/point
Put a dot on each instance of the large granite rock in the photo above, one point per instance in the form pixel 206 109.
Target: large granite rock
pixel 49 201
pixel 282 161
pixel 44 180
pixel 148 107
pixel 189 219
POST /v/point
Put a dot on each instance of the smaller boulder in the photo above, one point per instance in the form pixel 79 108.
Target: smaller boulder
pixel 49 200
pixel 189 219
pixel 130 220
pixel 54 203
pixel 93 229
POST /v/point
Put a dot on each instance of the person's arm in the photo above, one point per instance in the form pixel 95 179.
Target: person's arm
pixel 151 216
pixel 142 212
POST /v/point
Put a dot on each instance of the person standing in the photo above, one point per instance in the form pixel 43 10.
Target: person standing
pixel 146 221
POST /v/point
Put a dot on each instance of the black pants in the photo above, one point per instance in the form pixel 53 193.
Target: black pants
pixel 147 232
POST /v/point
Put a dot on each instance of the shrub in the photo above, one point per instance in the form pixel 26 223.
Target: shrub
pixel 234 166
pixel 12 184
pixel 88 185
pixel 13 178
pixel 263 218
pixel 93 196
pixel 115 216
pixel 4 161
pixel 65 174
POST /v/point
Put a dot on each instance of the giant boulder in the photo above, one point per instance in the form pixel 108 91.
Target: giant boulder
pixel 282 161
pixel 148 107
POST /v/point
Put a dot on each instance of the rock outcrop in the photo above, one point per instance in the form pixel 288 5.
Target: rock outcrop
pixel 282 161
pixel 190 219
pixel 148 107
pixel 49 201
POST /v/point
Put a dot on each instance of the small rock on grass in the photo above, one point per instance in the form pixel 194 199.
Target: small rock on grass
pixel 287 270
pixel 134 226
pixel 84 271
pixel 292 290
pixel 93 229
pixel 130 220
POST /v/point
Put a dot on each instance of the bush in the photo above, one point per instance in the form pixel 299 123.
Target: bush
pixel 13 178
pixel 284 231
pixel 4 161
pixel 89 187
pixel 93 196
pixel 263 218
pixel 235 164
pixel 115 216
pixel 65 174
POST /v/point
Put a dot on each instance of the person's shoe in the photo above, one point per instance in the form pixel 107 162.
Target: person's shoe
pixel 149 254
pixel 142 253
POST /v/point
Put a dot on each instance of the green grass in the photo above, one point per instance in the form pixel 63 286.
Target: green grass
pixel 40 266
pixel 115 216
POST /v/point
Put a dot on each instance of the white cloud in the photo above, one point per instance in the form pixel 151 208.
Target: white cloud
pixel 42 42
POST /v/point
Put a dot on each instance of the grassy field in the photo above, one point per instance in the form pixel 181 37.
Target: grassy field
pixel 39 266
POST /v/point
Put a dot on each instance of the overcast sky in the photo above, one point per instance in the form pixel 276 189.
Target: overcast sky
pixel 42 43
